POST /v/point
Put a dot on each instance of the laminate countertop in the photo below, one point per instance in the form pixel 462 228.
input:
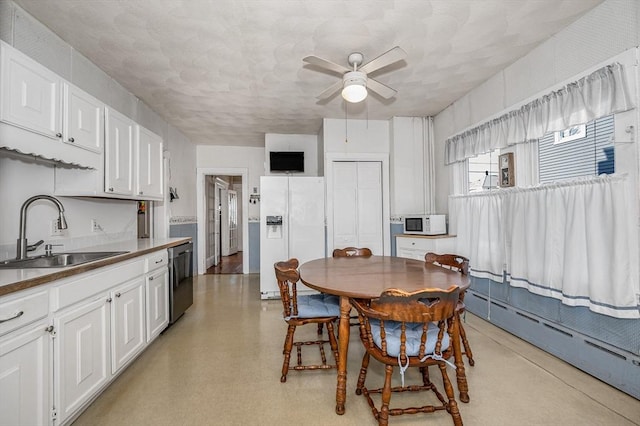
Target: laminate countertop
pixel 12 280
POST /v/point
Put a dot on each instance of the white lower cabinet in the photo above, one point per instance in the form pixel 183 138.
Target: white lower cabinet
pixel 25 376
pixel 157 297
pixel 81 352
pixel 127 323
pixel 61 344
pixel 415 247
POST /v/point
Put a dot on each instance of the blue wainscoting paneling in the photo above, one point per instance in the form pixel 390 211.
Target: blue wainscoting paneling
pixel 396 228
pixel 187 230
pixel 254 247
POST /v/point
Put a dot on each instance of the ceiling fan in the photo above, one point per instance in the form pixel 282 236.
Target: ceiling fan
pixel 355 81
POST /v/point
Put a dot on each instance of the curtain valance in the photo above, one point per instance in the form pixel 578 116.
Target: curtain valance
pixel 600 93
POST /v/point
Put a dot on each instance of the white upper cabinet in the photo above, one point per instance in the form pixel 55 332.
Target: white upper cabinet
pixel 30 94
pixel 149 182
pixel 83 119
pixel 118 155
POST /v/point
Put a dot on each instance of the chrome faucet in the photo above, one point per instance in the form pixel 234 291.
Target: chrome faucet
pixel 22 247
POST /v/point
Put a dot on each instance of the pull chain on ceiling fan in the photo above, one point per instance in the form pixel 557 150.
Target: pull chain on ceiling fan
pixel 355 81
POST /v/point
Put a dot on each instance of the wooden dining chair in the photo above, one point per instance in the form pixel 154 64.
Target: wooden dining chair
pixel 352 252
pixel 461 264
pixel 405 330
pixel 300 310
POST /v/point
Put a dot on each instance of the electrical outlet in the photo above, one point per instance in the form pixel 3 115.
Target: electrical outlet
pixel 95 226
pixel 54 228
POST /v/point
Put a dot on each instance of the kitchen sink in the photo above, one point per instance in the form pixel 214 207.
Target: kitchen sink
pixel 58 260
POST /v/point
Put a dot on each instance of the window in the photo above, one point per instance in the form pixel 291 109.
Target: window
pixel 483 171
pixel 579 151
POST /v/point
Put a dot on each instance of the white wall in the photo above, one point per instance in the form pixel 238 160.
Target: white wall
pixel 607 30
pixel 357 136
pixel 225 157
pixel 182 173
pixel 305 143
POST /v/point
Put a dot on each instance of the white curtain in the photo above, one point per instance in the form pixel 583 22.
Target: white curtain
pixel 569 241
pixel 601 93
pixel 476 221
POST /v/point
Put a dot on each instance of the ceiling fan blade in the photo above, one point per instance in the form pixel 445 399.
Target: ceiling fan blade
pixel 323 63
pixel 381 89
pixel 389 57
pixel 330 90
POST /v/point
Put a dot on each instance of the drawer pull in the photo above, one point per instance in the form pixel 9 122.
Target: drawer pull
pixel 18 315
pixel 158 261
pixel 150 278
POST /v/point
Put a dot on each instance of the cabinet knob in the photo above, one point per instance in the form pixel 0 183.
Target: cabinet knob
pixel 141 193
pixel 150 278
pixel 118 294
pixel 49 329
pixel 110 189
pixel 58 135
pixel 71 140
pixel 109 300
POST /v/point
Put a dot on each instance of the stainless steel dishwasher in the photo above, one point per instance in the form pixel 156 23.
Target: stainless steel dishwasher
pixel 180 280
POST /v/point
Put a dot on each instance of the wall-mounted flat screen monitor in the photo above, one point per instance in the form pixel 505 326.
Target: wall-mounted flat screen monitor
pixel 286 161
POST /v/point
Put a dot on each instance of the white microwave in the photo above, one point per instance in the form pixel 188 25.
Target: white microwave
pixel 425 224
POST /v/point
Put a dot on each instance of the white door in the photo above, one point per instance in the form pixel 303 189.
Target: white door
pixel 157 302
pixel 127 323
pixel 357 205
pixel 118 163
pixel 24 377
pixel 232 201
pixel 30 94
pixel 83 120
pixel 212 258
pixel 81 353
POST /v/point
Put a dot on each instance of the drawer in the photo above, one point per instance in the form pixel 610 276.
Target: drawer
pixel 94 282
pixel 157 260
pixel 23 310
pixel 438 245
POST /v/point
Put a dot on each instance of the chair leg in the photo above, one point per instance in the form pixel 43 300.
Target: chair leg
pixel 363 373
pixel 383 415
pixel 465 342
pixel 452 406
pixel 332 341
pixel 288 345
pixel 425 376
pixel 319 329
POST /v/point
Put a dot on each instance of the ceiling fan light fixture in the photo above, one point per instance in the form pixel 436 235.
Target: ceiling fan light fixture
pixel 354 86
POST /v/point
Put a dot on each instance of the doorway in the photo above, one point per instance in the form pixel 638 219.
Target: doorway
pixel 222 199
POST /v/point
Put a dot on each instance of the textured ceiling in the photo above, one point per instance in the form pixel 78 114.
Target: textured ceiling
pixel 226 72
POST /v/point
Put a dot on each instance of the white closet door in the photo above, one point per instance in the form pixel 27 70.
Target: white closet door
pixel 357 205
pixel 212 212
pixel 233 221
pixel 370 206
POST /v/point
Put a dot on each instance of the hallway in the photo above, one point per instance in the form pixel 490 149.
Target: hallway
pixel 228 265
pixel 220 365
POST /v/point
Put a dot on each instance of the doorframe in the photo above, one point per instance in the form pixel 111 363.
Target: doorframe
pixel 383 158
pixel 201 172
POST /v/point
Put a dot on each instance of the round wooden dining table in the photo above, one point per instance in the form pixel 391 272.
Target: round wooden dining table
pixel 367 278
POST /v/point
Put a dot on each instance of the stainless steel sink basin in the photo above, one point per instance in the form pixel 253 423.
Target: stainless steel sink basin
pixel 58 260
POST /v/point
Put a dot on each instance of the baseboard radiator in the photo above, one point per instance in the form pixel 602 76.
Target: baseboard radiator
pixel 614 366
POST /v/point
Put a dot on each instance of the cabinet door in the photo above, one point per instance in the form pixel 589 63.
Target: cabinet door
pixel 149 165
pixel 81 353
pixel 157 303
pixel 118 156
pixel 24 377
pixel 127 323
pixel 83 119
pixel 30 94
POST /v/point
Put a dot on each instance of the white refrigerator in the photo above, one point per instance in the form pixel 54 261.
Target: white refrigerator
pixel 291 225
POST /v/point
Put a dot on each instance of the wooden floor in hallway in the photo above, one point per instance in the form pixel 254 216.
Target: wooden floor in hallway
pixel 228 265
